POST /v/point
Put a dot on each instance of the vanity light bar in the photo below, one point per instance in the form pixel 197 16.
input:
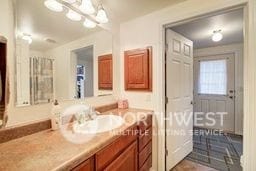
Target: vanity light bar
pixel 70 6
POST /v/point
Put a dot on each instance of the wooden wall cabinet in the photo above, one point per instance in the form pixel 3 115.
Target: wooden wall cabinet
pixel 138 69
pixel 105 72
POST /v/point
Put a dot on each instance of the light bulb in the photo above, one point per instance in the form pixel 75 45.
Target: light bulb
pixel 101 16
pixel 70 1
pixel 217 36
pixel 87 7
pixel 89 24
pixel 27 37
pixel 53 5
pixel 72 15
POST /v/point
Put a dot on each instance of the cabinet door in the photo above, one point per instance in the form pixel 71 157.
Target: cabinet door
pixel 113 150
pixel 138 69
pixel 87 165
pixel 105 72
pixel 127 161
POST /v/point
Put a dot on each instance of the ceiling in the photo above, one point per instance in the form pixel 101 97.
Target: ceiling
pixel 124 10
pixel 201 30
pixel 35 19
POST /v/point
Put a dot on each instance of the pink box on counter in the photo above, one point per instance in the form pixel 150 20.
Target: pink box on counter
pixel 123 104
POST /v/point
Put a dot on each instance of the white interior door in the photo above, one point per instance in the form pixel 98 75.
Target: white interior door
pixel 179 91
pixel 215 91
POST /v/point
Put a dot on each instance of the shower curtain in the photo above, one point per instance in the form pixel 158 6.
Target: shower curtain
pixel 41 80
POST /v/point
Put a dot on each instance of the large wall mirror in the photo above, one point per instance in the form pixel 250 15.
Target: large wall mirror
pixel 58 58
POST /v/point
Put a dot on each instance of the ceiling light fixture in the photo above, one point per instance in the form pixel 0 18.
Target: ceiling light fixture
pixel 87 7
pixel 53 5
pixel 101 15
pixel 70 1
pixel 27 37
pixel 217 36
pixel 72 15
pixel 89 24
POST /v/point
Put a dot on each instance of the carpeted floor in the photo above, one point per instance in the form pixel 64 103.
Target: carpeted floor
pixel 220 151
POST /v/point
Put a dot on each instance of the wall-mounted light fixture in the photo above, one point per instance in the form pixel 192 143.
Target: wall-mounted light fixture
pixel 27 37
pixel 78 10
pixel 53 5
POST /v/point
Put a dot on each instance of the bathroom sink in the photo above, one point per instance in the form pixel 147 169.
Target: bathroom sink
pixel 102 123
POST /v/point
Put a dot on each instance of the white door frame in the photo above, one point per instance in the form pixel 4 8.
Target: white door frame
pixel 249 77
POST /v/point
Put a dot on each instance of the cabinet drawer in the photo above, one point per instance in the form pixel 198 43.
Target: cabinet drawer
pixel 143 125
pixel 127 161
pixel 145 138
pixel 87 165
pixel 145 153
pixel 147 165
pixel 109 153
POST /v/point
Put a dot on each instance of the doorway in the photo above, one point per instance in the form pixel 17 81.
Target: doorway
pixel 204 79
pixel 2 79
pixel 84 67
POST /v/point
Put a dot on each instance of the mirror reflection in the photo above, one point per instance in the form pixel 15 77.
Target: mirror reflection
pixel 56 61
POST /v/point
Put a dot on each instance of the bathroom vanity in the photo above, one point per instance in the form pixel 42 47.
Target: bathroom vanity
pixel 129 150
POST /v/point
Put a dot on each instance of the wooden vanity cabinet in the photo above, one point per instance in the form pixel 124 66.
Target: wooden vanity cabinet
pixel 127 161
pixel 105 72
pixel 87 165
pixel 145 144
pixel 138 69
pixel 109 154
pixel 132 151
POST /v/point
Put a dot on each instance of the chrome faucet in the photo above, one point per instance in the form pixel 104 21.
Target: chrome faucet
pixel 84 115
pixel 80 117
pixel 92 113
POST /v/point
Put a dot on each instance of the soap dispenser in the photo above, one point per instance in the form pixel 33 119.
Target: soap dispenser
pixel 55 115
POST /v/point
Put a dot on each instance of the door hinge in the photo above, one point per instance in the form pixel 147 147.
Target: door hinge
pixel 166 100
pixel 166 152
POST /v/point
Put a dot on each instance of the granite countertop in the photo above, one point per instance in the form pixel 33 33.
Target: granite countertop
pixel 50 150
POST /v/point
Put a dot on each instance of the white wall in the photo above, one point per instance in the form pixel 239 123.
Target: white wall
pixel 237 50
pixel 64 85
pixel 148 31
pixel 35 53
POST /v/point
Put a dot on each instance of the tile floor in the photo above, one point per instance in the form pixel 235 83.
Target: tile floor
pixel 220 151
pixel 187 165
